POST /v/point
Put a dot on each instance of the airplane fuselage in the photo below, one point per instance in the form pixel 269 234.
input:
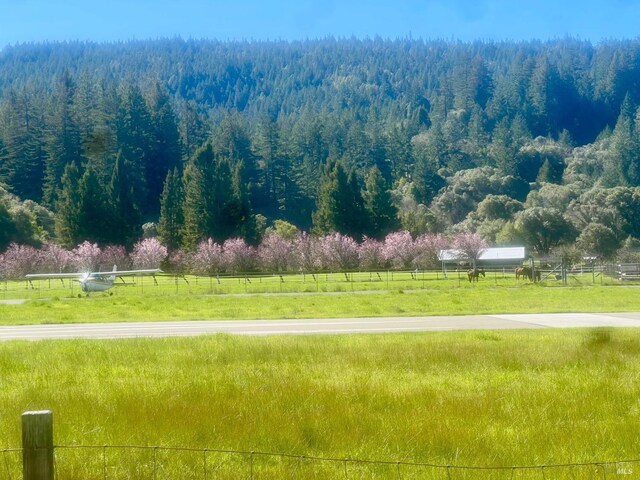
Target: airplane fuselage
pixel 94 283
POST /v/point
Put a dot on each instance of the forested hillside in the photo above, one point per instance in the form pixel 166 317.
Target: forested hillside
pixel 535 143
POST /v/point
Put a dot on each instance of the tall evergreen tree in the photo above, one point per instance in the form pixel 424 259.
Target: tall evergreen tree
pixel 22 161
pixel 98 128
pixel 94 209
pixel 135 134
pixel 355 216
pixel 333 184
pixel 63 144
pixel 382 215
pixel 125 226
pixel 622 164
pixel 340 207
pixel 231 141
pixel 198 207
pixel 426 180
pixel 238 207
pixel 192 126
pixel 274 167
pixel 166 148
pixel 398 152
pixel 171 220
pixel 228 198
pixel 8 231
pixel 67 218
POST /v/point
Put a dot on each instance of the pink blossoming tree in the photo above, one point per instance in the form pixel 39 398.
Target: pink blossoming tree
pixel 428 247
pixel 148 253
pixel 18 260
pixel 371 255
pixel 469 247
pixel 208 258
pixel 400 250
pixel 115 255
pixel 276 254
pixel 239 257
pixel 338 252
pixel 86 257
pixel 55 259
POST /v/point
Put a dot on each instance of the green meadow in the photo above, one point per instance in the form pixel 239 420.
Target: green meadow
pixel 491 399
pixel 176 285
pixel 328 403
pixel 452 301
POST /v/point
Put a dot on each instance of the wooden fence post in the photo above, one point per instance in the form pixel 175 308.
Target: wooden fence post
pixel 37 445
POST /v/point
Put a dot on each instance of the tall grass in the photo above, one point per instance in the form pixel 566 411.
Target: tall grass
pixel 475 398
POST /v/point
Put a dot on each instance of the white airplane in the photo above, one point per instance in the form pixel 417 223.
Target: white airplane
pixel 94 281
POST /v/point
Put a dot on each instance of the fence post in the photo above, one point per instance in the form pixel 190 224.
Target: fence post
pixel 37 445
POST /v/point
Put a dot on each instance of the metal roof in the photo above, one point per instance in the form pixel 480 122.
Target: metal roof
pixel 504 253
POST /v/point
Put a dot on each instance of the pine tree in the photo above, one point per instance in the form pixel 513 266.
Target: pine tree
pixel 8 231
pixel 95 211
pixel 99 128
pixel 22 164
pixel 63 144
pixel 171 220
pixel 426 181
pixel 241 220
pixel 381 213
pixel 502 150
pixel 68 207
pixel 232 142
pixel 166 149
pixel 327 206
pixel 125 227
pixel 192 127
pixel 274 167
pixel 340 207
pixel 198 207
pixel 398 151
pixel 621 162
pixel 135 134
pixel 228 198
pixel 354 220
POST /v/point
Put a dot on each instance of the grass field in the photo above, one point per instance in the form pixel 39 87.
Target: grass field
pixel 463 398
pixel 170 285
pixel 453 301
pixel 492 399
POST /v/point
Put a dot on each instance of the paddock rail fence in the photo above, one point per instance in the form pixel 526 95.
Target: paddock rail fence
pixel 40 459
pixel 348 281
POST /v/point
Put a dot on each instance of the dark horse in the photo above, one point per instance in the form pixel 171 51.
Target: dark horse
pixel 475 273
pixel 527 272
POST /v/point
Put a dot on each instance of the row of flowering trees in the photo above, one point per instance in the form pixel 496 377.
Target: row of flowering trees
pixel 275 254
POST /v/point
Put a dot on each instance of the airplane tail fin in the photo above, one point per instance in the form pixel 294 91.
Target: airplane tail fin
pixel 112 278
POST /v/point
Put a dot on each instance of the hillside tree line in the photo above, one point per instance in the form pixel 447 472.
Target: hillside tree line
pixel 529 142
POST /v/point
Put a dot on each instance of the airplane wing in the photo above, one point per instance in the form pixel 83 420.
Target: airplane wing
pixel 130 273
pixel 54 275
pixel 117 273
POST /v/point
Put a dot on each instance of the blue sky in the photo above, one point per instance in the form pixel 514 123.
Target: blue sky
pixel 108 20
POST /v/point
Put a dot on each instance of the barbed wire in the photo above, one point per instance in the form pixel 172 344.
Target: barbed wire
pixel 343 463
pixel 346 466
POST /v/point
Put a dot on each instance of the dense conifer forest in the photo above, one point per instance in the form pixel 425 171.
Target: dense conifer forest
pixel 534 143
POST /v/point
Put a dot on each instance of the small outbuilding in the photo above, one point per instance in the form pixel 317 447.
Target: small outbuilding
pixel 500 257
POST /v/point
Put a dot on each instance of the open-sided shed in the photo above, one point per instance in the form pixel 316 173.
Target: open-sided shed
pixel 498 256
